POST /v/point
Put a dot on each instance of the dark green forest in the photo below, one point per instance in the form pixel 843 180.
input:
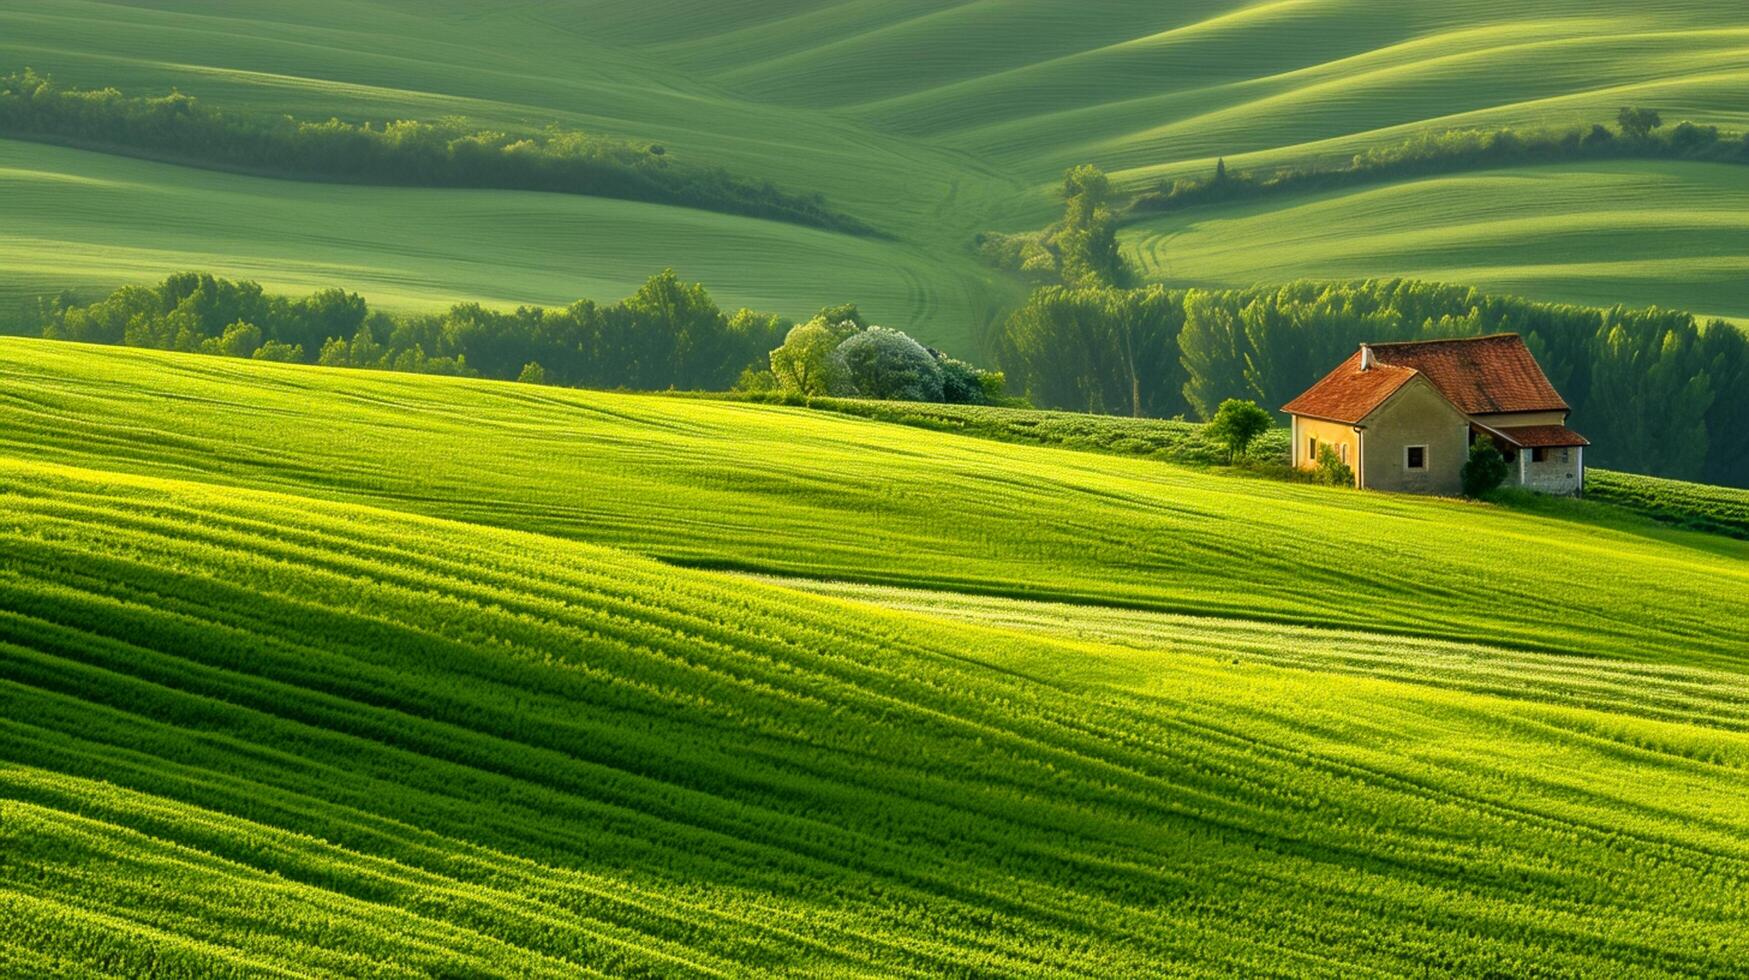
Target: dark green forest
pixel 444 153
pixel 668 335
pixel 1655 390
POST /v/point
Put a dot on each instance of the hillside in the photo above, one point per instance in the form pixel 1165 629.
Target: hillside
pixel 316 670
pixel 778 490
pixel 930 121
pixel 1674 235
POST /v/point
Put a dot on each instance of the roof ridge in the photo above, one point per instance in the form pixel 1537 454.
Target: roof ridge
pixel 1444 340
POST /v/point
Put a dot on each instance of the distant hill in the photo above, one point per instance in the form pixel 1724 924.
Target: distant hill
pixel 315 670
pixel 932 121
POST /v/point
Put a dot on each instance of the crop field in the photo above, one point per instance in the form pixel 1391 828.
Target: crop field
pixel 795 491
pixel 1721 509
pixel 311 670
pixel 930 121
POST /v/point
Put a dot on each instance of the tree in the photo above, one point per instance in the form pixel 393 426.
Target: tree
pixel 1638 123
pixel 1097 350
pixel 532 374
pixel 1087 239
pixel 1221 170
pixel 1485 469
pixel 1331 469
pixel 274 350
pixel 841 314
pixel 239 340
pixel 680 329
pixel 888 364
pixel 1236 424
pixel 808 361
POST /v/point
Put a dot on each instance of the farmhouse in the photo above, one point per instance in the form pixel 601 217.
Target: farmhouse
pixel 1403 416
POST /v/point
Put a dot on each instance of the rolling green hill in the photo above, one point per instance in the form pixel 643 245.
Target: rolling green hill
pixel 1674 235
pixel 779 490
pixel 930 121
pixel 314 670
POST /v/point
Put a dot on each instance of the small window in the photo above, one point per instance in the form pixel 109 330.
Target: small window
pixel 1538 454
pixel 1415 457
pixel 1345 452
pixel 1564 455
pixel 1312 449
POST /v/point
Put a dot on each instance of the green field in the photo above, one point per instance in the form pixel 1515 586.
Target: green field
pixel 1643 233
pixel 762 488
pixel 931 121
pixel 313 670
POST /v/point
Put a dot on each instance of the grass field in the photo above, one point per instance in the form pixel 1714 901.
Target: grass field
pixel 318 671
pixel 1644 233
pixel 800 492
pixel 930 121
pixel 417 248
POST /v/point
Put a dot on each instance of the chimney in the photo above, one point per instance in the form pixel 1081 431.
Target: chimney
pixel 1366 361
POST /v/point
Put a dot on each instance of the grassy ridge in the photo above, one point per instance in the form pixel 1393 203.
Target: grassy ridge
pixel 1643 233
pixel 798 492
pixel 252 732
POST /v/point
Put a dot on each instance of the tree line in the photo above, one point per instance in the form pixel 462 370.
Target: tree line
pixel 1655 390
pixel 446 152
pixel 670 334
pixel 1639 134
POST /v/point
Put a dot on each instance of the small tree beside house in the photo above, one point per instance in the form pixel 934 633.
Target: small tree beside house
pixel 1237 423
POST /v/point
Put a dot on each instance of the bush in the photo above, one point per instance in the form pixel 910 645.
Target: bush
pixel 1331 469
pixel 1485 470
pixel 754 381
pixel 889 365
pixel 533 374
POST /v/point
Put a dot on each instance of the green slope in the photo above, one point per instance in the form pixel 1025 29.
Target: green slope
pixel 266 707
pixel 122 219
pixel 1674 235
pixel 931 121
pixel 794 491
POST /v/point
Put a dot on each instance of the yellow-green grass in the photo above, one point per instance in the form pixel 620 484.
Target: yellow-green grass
pixel 1664 234
pixel 248 731
pixel 1673 693
pixel 931 121
pixel 798 492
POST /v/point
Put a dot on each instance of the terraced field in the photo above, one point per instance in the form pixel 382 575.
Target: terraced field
pixel 313 670
pixel 930 121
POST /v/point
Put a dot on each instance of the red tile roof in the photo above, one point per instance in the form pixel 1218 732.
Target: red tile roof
pixel 1541 436
pixel 1479 375
pixel 1349 394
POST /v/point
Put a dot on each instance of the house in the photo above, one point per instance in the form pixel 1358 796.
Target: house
pixel 1402 416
